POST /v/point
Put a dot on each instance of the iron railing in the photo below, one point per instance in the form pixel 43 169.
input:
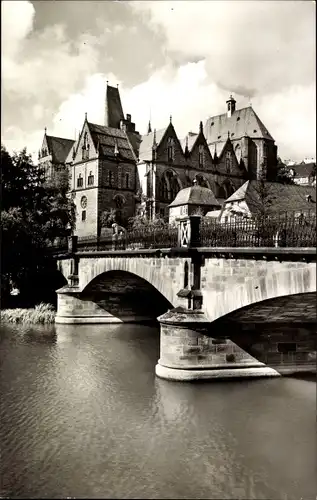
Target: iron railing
pixel 279 231
pixel 260 232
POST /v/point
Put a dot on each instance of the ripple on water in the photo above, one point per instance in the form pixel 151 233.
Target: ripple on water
pixel 83 415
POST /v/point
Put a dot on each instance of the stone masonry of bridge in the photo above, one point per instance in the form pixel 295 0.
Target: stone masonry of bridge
pixel 127 286
pixel 227 284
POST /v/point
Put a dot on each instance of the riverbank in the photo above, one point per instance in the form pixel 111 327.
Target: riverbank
pixel 40 314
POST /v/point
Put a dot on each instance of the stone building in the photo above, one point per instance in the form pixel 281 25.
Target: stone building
pixel 103 174
pixel 170 165
pixel 112 166
pixel 53 155
pixel 252 143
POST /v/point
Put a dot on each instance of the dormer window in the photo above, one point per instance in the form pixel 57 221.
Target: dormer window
pixel 201 156
pixel 90 179
pixel 170 146
pixel 80 181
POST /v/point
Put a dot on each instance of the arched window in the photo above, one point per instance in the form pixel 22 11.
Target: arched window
pixel 238 152
pixel 222 192
pixel 80 181
pixel 90 179
pixel 201 181
pixel 163 189
pixel 228 162
pixel 170 147
pixel 201 156
pixel 119 201
pixel 111 178
pixel 173 185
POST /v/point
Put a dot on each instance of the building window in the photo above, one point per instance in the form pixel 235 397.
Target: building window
pixel 111 178
pixel 238 152
pixel 186 272
pixel 85 148
pixel 163 189
pixel 170 144
pixel 83 215
pixel 201 156
pixel 127 181
pixel 228 162
pixel 80 181
pixel 91 179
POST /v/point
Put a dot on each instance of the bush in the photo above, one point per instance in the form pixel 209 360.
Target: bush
pixel 41 314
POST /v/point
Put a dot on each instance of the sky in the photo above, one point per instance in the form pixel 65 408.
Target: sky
pixel 179 58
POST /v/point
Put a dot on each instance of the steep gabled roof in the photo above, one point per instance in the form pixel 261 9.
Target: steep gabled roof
pixel 277 197
pixel 59 148
pixel 108 138
pixel 242 122
pixel 145 151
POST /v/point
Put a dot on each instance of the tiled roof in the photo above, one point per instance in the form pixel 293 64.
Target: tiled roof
pixel 107 138
pixel 59 148
pixel 303 169
pixel 277 197
pixel 195 195
pixel 191 138
pixel 242 122
pixel 145 151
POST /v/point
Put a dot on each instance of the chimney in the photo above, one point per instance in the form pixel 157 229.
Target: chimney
pixel 231 106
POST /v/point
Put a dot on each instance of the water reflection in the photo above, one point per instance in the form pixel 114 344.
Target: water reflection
pixel 83 415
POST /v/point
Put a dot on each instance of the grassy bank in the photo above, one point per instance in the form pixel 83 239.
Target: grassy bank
pixel 41 314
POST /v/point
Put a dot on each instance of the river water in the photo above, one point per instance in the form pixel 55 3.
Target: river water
pixel 83 415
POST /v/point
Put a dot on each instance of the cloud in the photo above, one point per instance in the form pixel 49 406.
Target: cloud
pixel 169 58
pixel 250 47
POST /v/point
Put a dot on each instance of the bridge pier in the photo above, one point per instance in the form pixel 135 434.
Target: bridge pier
pixel 189 352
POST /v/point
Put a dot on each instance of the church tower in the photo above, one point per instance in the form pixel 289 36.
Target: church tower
pixel 113 108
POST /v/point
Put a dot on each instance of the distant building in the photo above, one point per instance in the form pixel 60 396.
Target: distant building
pixel 255 198
pixel 53 154
pixel 252 143
pixel 192 200
pixel 303 173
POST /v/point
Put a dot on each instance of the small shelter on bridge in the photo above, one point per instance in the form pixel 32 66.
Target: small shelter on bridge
pixel 192 200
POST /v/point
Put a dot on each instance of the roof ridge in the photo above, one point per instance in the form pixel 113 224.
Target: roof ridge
pixel 235 111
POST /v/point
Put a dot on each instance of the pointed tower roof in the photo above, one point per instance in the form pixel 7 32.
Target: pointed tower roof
pixel 113 107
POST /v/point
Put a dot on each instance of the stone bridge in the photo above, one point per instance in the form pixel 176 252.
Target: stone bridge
pixel 208 287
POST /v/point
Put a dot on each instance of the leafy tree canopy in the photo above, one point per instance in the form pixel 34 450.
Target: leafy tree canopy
pixel 33 213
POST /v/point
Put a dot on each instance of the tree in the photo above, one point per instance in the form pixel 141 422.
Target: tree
pixel 33 212
pixel 107 218
pixel 283 174
pixel 142 222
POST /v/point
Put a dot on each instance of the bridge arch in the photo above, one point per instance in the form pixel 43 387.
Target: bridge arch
pixel 155 270
pixel 124 294
pixel 287 281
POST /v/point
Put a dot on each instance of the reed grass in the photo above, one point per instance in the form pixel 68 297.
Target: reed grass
pixel 40 314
